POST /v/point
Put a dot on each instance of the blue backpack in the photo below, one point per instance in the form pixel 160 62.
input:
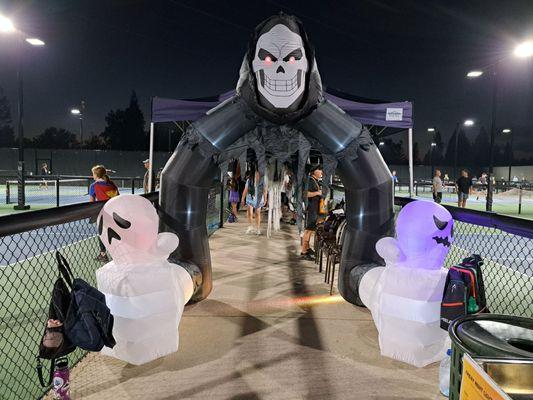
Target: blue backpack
pixel 88 323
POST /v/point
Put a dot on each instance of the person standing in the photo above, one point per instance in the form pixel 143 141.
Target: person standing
pixel 437 187
pixel 314 194
pixel 146 179
pixel 102 189
pixel 464 188
pixel 233 187
pixel 44 171
pixel 253 203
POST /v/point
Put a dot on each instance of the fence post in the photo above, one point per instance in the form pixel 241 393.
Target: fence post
pixel 57 192
pixel 8 192
pixel 416 189
pixel 221 203
pixel 520 199
pixel 133 186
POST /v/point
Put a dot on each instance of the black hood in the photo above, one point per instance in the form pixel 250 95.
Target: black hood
pixel 247 85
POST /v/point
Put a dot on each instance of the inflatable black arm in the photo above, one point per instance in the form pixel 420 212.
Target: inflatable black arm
pixel 368 191
pixel 185 184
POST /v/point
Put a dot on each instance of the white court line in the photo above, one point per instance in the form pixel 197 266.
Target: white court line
pixel 46 252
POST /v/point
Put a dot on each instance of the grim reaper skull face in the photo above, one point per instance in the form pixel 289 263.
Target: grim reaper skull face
pixel 280 66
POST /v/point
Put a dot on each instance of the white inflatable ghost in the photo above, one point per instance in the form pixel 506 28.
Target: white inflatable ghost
pixel 145 293
pixel 404 297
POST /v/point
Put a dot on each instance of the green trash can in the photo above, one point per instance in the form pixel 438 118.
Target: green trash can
pixel 488 335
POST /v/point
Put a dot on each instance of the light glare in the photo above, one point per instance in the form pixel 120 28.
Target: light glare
pixel 431 129
pixel 468 122
pixel 506 130
pixel 6 26
pixel 524 50
pixel 35 41
pixel 433 144
pixel 382 143
pixel 75 111
pixel 474 74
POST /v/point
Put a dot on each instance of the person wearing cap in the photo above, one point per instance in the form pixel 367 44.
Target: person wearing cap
pixel 146 175
pixel 314 194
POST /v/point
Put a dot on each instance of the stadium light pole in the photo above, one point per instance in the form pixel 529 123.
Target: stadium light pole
pixel 509 132
pixel 7 26
pixel 77 113
pixel 431 147
pixel 522 50
pixel 467 123
pixel 432 132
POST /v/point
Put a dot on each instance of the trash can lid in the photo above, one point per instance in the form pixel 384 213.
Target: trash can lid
pixel 496 335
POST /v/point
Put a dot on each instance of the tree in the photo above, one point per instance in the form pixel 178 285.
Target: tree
pixel 125 128
pixel 438 150
pixel 56 138
pixel 464 150
pixel 481 150
pixel 95 142
pixel 7 138
pixel 416 154
pixel 507 156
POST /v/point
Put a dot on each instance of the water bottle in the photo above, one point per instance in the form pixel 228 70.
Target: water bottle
pixel 444 374
pixel 61 381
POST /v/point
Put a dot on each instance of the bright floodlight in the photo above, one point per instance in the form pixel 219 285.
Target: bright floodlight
pixel 468 122
pixel 75 111
pixel 6 26
pixel 506 130
pixel 474 74
pixel 433 144
pixel 431 129
pixel 35 41
pixel 524 50
pixel 382 143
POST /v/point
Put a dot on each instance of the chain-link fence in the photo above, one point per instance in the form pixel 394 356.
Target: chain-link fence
pixel 506 246
pixel 510 198
pixel 28 270
pixel 48 191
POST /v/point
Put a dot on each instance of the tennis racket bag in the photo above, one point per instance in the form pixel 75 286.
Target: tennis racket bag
pixel 464 291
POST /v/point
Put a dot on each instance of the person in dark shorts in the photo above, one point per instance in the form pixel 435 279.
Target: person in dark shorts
pixel 314 194
pixel 437 187
pixel 464 187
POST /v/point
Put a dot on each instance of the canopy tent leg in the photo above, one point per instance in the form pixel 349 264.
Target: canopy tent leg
pixel 411 179
pixel 151 157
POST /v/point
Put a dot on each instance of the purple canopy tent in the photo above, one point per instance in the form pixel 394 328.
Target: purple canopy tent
pixel 398 115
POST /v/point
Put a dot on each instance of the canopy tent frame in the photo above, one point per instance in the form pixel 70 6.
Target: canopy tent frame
pixel 392 117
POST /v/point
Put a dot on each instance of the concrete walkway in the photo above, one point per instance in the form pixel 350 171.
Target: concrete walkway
pixel 269 330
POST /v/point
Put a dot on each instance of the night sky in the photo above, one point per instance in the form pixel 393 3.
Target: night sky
pixel 417 50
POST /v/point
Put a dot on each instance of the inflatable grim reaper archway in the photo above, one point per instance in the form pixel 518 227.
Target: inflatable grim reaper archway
pixel 279 110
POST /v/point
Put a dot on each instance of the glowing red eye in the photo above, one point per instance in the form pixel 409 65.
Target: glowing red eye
pixel 292 59
pixel 268 59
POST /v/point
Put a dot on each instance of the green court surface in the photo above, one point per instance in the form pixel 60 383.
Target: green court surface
pixel 508 206
pixel 6 209
pixel 24 299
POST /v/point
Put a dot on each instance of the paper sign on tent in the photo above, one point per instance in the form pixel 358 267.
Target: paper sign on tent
pixel 394 114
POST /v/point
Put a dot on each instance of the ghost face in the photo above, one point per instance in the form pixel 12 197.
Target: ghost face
pixel 425 234
pixel 128 227
pixel 280 66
